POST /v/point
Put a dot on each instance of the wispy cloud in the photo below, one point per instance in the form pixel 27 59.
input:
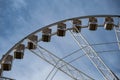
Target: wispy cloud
pixel 19 4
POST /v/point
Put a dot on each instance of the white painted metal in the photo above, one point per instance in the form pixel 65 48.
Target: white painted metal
pixel 117 32
pixel 93 56
pixel 60 64
pixel 89 51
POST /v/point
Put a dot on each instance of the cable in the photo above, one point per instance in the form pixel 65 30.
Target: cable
pixel 54 74
pixel 80 56
pixel 86 46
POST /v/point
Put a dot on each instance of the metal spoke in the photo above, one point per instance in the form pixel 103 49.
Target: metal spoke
pixel 93 56
pixel 117 32
pixel 58 63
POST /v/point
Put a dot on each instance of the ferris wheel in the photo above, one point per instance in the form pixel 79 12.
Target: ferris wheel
pixel 68 32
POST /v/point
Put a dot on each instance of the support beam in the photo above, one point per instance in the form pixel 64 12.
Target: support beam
pixel 117 32
pixel 93 56
pixel 60 64
pixel 6 78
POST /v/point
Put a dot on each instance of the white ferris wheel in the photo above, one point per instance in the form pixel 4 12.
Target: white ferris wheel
pixel 76 40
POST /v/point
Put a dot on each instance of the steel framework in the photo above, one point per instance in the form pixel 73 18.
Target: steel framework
pixel 117 31
pixel 60 64
pixel 65 67
pixel 93 56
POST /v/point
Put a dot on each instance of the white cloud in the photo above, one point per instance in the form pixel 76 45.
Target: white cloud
pixel 19 4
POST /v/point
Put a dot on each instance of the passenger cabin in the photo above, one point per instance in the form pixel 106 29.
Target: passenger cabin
pixel 61 29
pixel 6 66
pixel 46 35
pixel 92 24
pixel 1 71
pixel 18 55
pixel 19 52
pixel 32 44
pixel 109 23
pixel 77 25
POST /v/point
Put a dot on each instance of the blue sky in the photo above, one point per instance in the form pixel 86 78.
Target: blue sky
pixel 18 18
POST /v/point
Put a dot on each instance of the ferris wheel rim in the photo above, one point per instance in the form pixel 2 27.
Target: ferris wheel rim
pixel 47 26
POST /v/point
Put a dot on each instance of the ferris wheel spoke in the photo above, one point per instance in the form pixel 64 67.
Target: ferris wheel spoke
pixel 93 56
pixel 60 64
pixel 6 78
pixel 117 32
